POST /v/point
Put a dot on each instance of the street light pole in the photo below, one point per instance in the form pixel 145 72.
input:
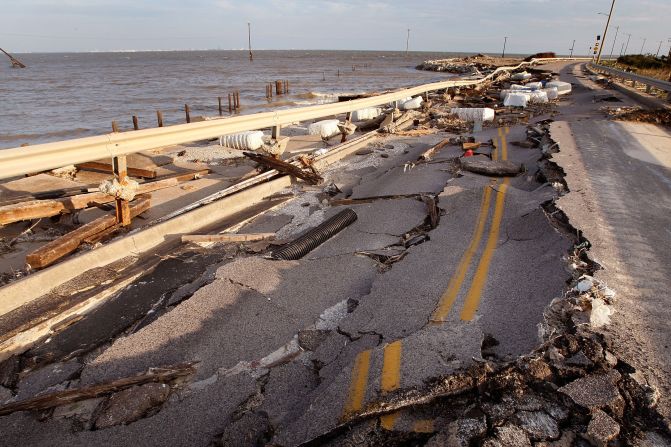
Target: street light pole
pixel 505 40
pixel 605 32
pixel 572 47
pixel 626 47
pixel 617 30
pixel 642 46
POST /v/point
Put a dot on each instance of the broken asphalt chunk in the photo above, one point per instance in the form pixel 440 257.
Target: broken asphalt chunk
pixel 485 166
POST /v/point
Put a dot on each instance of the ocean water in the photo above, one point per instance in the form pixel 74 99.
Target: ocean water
pixel 70 95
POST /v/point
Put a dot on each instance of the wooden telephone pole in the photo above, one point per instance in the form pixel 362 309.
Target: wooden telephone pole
pixel 15 62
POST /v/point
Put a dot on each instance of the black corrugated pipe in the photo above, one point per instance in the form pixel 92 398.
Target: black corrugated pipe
pixel 313 238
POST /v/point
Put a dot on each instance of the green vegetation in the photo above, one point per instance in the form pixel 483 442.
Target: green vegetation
pixel 642 61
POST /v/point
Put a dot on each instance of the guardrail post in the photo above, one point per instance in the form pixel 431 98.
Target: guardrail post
pixel 275 132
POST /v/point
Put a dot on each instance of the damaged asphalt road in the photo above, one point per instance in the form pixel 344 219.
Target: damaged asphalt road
pixel 394 331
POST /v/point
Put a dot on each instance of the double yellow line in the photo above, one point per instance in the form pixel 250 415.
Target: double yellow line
pixel 390 378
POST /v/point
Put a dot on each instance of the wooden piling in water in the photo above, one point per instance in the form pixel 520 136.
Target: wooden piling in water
pixel 115 127
pixel 136 125
pixel 221 112
pixel 159 118
pixel 230 103
pixel 187 113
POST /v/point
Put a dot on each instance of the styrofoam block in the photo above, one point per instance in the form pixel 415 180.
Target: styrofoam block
pixel 534 85
pixel 563 88
pixel 474 114
pixel 521 76
pixel 414 103
pixel 538 97
pixel 516 100
pixel 325 128
pixel 519 87
pixel 551 92
pixel 366 114
pixel 251 140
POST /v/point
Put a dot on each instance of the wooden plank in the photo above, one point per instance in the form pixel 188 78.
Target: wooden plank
pixel 471 146
pixel 428 154
pixel 35 209
pixel 66 244
pixel 285 167
pixel 58 398
pixel 228 237
pixel 141 164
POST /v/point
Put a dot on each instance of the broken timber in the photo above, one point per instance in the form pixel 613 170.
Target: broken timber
pixel 15 62
pixel 432 150
pixel 224 237
pixel 282 166
pixel 35 209
pixel 64 245
pixel 58 398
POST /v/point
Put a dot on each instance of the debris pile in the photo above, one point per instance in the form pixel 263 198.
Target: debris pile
pixel 638 114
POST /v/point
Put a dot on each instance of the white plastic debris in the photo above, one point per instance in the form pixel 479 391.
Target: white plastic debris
pixel 319 152
pixel 125 191
pixel 414 103
pixel 519 87
pixel 538 97
pixel 563 88
pixel 504 93
pixel 521 76
pixel 551 92
pixel 584 285
pixel 474 114
pixel 600 314
pixel 325 129
pixel 251 140
pixel 534 85
pixel 366 114
pixel 516 100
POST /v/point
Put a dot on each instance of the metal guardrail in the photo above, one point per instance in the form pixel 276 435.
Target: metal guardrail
pixel 652 82
pixel 42 157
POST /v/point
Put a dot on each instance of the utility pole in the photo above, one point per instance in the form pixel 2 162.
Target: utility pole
pixel 642 46
pixel 249 35
pixel 622 49
pixel 659 48
pixel 407 43
pixel 572 47
pixel 505 40
pixel 626 47
pixel 617 30
pixel 605 32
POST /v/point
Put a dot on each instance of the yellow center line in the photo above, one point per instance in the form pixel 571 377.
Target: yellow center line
pixel 454 286
pixel 357 388
pixel 391 378
pixel 475 292
pixel 504 146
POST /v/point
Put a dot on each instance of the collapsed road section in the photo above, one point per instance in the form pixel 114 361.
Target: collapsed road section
pixel 425 290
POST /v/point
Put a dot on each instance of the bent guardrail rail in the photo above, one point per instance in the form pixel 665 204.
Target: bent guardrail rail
pixel 649 82
pixel 42 157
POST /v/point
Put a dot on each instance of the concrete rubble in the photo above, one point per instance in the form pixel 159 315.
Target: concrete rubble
pixel 354 343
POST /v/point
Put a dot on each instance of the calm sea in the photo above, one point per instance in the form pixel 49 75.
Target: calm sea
pixel 69 95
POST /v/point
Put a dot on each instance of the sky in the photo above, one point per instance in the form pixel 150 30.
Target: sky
pixel 436 25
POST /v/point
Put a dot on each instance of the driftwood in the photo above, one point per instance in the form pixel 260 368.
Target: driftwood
pixel 285 167
pixel 15 62
pixel 35 209
pixel 483 165
pixel 428 154
pixel 371 124
pixel 228 237
pixel 58 398
pixel 66 244
pixel 471 146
